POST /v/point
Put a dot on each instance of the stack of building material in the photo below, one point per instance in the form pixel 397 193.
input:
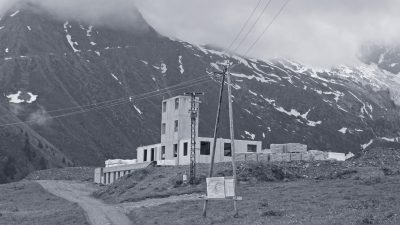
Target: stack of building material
pixel 266 151
pixel 166 163
pixel 119 162
pixel 240 157
pixel 251 157
pixel 278 148
pixel 296 148
pixel 264 157
pixel 306 156
pixel 285 157
pixel 276 157
pixel 319 155
pixel 336 156
pixel 295 156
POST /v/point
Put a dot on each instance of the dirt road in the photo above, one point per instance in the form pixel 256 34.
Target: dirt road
pixel 99 213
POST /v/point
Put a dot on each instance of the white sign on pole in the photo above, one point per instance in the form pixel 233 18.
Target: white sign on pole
pixel 216 187
pixel 229 187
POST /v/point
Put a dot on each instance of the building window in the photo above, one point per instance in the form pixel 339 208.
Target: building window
pixel 175 150
pixel 162 152
pixel 176 127
pixel 204 148
pixel 251 148
pixel 145 155
pixel 164 106
pixel 176 103
pixel 227 149
pixel 185 149
pixel 152 155
pixel 163 128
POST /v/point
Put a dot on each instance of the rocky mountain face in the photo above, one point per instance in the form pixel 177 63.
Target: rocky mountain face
pixel 81 89
pixel 385 57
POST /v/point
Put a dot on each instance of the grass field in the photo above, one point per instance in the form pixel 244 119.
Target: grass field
pixel 27 203
pixel 321 202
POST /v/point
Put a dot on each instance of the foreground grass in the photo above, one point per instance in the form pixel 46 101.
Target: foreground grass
pixel 373 200
pixel 27 203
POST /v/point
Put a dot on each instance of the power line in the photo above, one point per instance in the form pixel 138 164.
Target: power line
pixel 112 104
pixel 114 100
pixel 267 27
pixel 253 25
pixel 244 26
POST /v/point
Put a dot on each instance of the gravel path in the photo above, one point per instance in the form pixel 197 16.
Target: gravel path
pixel 98 212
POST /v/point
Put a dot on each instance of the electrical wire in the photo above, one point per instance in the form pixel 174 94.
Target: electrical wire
pixel 243 26
pixel 267 27
pixel 130 99
pixel 112 100
pixel 253 25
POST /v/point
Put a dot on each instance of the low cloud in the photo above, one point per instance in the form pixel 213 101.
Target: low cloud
pixel 316 32
pixel 40 117
pixel 111 13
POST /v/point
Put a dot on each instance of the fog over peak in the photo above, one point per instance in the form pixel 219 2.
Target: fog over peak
pixel 115 13
pixel 320 33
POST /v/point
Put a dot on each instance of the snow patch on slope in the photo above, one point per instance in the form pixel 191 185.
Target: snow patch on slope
pixel 138 110
pixel 294 113
pixel 15 98
pixel 181 69
pixel 14 14
pixel 116 78
pixel 69 37
pixel 343 130
pixel 251 135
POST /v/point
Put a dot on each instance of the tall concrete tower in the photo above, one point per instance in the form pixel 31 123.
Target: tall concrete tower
pixel 175 126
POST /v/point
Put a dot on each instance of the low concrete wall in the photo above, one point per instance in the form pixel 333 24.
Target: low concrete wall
pixel 109 175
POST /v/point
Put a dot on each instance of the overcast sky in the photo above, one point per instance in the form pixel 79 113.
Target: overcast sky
pixel 315 32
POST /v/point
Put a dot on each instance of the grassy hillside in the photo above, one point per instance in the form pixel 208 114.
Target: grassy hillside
pixel 27 203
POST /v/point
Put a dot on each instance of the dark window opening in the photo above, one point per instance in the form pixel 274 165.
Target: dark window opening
pixel 251 148
pixel 164 106
pixel 177 103
pixel 205 148
pixel 185 149
pixel 152 154
pixel 162 152
pixel 176 127
pixel 227 149
pixel 145 155
pixel 175 150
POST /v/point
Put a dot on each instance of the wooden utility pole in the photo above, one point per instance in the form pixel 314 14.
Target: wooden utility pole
pixel 193 118
pixel 232 145
pixel 223 73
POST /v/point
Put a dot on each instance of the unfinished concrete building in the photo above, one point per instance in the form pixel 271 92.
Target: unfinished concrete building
pixel 175 145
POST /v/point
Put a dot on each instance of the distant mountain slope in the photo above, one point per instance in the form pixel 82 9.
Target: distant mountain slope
pixel 47 65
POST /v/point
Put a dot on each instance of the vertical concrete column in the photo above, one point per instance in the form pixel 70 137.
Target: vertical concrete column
pixel 105 178
pixel 112 177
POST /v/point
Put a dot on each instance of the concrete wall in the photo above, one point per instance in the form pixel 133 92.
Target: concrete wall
pixel 140 153
pixel 240 147
pixel 109 175
pixel 183 117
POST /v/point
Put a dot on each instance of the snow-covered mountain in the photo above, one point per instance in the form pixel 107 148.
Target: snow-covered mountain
pixel 50 68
